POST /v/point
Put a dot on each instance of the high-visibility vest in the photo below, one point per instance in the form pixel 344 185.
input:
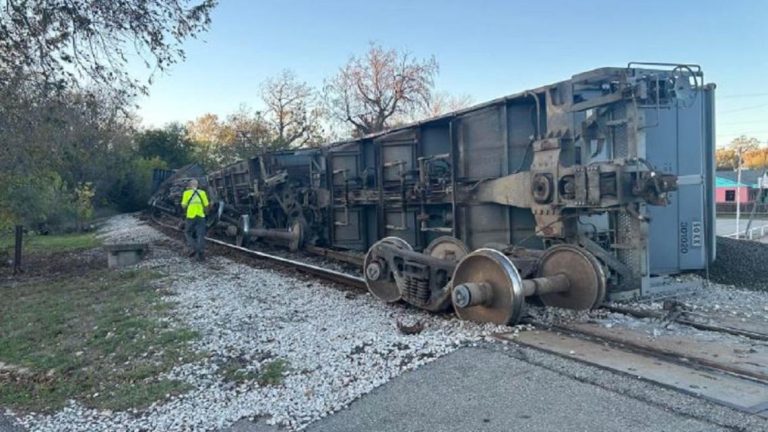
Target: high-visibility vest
pixel 195 201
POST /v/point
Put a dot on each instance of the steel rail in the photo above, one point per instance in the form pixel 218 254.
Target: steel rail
pixel 715 369
pixel 323 273
pixel 663 353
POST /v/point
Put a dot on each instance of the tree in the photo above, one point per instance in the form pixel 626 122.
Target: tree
pixel 75 150
pixel 369 91
pixel 241 135
pixel 744 143
pixel 54 44
pixel 66 92
pixel 727 158
pixel 206 135
pixel 756 159
pixel 170 144
pixel 293 111
pixel 442 103
pixel 245 134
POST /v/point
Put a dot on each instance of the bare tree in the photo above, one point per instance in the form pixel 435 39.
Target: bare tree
pixel 246 134
pixel 443 102
pixel 292 110
pixel 369 91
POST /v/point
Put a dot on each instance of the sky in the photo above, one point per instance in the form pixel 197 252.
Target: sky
pixel 485 49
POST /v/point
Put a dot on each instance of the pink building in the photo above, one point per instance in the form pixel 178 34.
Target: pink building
pixel 726 191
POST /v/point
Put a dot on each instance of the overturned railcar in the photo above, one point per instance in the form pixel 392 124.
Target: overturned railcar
pixel 592 188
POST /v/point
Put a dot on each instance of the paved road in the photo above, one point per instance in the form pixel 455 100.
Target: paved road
pixel 726 226
pixel 486 390
pixel 491 389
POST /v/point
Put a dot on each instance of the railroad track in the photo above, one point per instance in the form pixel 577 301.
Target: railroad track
pixel 306 268
pixel 742 386
pixel 737 381
pixel 678 313
pixel 681 317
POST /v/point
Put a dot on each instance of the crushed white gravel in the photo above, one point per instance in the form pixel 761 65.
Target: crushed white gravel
pixel 715 300
pixel 338 345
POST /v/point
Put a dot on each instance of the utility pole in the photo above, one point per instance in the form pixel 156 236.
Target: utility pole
pixel 19 233
pixel 738 193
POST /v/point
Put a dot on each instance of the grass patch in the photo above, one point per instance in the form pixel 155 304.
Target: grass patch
pixel 271 373
pixel 96 338
pixel 53 243
pixel 233 370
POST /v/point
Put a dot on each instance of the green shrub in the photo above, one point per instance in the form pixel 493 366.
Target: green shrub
pixel 42 200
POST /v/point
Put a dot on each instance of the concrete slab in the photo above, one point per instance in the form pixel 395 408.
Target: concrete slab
pixel 124 255
pixel 478 389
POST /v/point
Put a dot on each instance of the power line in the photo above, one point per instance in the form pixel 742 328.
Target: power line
pixel 743 122
pixel 743 109
pixel 736 135
pixel 741 95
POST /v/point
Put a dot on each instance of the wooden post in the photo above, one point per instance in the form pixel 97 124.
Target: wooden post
pixel 17 252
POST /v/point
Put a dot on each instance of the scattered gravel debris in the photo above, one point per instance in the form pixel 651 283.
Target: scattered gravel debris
pixel 715 300
pixel 727 300
pixel 548 316
pixel 336 347
pixel 741 263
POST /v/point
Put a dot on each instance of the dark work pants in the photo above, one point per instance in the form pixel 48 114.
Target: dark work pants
pixel 195 233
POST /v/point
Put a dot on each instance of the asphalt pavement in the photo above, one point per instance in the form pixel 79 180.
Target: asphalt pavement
pixel 497 387
pixel 486 390
pixel 6 425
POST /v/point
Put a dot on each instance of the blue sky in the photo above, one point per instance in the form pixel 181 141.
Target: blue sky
pixel 485 48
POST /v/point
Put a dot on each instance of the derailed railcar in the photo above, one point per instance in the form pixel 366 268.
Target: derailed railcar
pixel 278 196
pixel 589 188
pixel 609 172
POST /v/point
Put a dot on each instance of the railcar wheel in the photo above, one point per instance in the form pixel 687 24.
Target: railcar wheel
pixel 447 248
pixel 586 277
pixel 243 227
pixel 488 288
pixel 297 229
pixel 379 279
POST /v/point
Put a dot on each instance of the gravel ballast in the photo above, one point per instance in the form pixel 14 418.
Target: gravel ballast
pixel 742 263
pixel 337 345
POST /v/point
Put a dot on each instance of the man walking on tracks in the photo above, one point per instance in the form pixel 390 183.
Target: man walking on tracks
pixel 195 202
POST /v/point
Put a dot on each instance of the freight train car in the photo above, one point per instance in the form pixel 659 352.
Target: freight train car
pixel 593 187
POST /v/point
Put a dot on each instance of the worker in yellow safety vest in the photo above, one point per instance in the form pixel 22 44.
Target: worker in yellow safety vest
pixel 195 202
